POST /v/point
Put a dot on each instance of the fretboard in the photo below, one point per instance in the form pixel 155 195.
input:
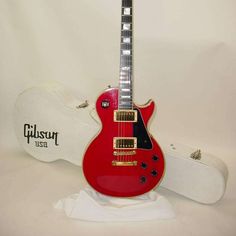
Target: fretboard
pixel 126 53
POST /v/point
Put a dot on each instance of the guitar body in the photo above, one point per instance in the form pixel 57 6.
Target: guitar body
pixel 123 171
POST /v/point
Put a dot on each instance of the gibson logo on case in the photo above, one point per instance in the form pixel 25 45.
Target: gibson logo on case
pixel 30 131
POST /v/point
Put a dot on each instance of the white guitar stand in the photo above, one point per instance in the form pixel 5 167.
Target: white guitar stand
pixel 51 124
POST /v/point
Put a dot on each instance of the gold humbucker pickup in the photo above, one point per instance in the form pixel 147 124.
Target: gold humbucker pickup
pixel 125 116
pixel 125 143
pixel 124 163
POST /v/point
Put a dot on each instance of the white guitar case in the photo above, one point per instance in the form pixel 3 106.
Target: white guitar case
pixel 51 124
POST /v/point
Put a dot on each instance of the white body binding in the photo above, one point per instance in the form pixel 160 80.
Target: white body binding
pixel 54 109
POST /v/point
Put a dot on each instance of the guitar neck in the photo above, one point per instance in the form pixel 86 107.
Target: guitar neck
pixel 126 56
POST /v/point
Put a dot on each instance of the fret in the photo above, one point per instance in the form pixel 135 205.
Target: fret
pixel 126 19
pixel 125 81
pixel 126 60
pixel 127 3
pixel 124 77
pixel 126 33
pixel 125 74
pixel 125 63
pixel 125 46
pixel 124 106
pixel 126 90
pixel 124 96
pixel 126 57
pixel 125 101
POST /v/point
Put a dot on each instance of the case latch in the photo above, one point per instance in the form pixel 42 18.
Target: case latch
pixel 83 105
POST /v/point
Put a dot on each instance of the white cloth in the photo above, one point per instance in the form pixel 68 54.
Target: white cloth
pixel 92 206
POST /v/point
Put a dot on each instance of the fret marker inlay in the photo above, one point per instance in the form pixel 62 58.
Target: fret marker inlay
pixel 125 68
pixel 125 82
pixel 126 26
pixel 126 52
pixel 126 40
pixel 126 11
pixel 127 96
pixel 125 89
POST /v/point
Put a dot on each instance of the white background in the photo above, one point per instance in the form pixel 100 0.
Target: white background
pixel 184 58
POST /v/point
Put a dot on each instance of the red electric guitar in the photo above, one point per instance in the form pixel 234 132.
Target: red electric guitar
pixel 123 160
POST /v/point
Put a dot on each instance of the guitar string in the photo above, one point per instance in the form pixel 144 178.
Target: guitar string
pixel 119 95
pixel 129 63
pixel 122 128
